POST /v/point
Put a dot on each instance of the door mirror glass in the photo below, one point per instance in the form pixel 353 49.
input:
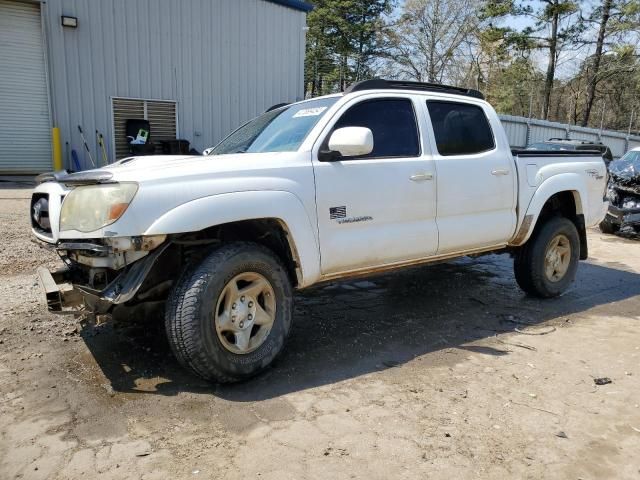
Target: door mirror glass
pixel 351 141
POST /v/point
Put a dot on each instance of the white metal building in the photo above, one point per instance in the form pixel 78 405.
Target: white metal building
pixel 195 69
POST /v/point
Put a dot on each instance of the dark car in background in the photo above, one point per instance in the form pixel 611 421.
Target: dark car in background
pixel 623 193
pixel 566 144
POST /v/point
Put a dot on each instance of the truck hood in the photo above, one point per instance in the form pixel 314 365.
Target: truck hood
pixel 175 168
pixel 167 182
pixel 153 161
pixel 168 168
pixel 110 173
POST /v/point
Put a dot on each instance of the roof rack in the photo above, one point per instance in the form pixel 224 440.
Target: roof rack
pixel 275 107
pixel 381 84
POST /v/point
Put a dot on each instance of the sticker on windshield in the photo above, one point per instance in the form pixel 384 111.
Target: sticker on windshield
pixel 310 112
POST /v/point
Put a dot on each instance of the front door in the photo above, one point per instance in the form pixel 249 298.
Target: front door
pixel 380 208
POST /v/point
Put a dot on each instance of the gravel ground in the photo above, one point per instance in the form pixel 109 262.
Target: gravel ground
pixel 446 371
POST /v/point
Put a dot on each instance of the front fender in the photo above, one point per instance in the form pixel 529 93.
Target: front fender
pixel 215 210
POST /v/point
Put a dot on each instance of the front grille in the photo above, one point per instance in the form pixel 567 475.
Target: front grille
pixel 39 213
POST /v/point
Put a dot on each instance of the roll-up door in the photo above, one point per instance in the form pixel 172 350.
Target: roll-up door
pixel 25 129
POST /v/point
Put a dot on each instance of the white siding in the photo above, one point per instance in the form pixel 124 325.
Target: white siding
pixel 222 61
pixel 25 130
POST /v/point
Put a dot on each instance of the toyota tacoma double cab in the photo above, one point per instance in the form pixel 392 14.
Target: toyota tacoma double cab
pixel 384 175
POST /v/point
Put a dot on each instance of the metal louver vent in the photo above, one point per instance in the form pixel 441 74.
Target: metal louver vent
pixel 161 115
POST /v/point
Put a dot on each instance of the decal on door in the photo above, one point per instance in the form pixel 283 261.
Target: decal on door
pixel 355 219
pixel 337 212
pixel 340 215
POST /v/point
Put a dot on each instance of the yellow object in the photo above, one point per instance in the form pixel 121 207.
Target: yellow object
pixel 57 148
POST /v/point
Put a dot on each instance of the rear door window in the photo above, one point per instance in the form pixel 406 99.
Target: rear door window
pixel 460 128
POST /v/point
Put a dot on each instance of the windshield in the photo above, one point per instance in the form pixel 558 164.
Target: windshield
pixel 280 130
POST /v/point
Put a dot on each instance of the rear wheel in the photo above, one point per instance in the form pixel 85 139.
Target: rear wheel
pixel 547 264
pixel 228 318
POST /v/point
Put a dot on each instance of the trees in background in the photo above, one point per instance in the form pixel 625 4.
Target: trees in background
pixel 614 20
pixel 343 43
pixel 572 61
pixel 428 37
pixel 555 28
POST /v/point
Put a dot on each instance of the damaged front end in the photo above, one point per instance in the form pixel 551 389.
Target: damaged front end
pixel 100 274
pixel 623 193
pixel 102 270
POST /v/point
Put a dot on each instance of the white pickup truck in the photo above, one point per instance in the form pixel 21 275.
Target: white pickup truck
pixel 385 175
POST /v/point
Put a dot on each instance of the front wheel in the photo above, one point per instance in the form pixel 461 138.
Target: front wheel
pixel 547 264
pixel 228 318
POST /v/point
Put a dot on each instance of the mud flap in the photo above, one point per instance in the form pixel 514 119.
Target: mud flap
pixel 582 231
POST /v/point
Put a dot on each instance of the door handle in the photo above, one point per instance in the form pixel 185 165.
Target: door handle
pixel 499 172
pixel 421 177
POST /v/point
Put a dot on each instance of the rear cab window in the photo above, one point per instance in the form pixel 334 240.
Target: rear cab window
pixel 460 128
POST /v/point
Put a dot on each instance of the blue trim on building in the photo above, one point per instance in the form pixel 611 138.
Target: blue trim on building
pixel 295 4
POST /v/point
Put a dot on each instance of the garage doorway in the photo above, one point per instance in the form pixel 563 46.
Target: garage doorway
pixel 25 125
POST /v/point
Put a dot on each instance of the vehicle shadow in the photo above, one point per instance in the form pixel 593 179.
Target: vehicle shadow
pixel 356 327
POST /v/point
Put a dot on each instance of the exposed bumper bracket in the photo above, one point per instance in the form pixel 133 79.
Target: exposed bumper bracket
pixel 125 286
pixel 64 297
pixel 60 296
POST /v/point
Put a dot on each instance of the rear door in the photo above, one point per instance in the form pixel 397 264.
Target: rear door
pixel 475 177
pixel 379 208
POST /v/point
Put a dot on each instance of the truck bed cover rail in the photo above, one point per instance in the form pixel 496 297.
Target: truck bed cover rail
pixel 556 153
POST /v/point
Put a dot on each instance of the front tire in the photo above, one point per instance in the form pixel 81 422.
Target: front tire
pixel 547 264
pixel 227 318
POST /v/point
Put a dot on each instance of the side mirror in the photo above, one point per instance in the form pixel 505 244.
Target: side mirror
pixel 207 151
pixel 351 141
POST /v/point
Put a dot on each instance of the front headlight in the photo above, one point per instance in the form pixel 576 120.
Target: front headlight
pixel 91 207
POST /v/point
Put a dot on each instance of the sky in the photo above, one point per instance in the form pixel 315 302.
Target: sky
pixel 569 61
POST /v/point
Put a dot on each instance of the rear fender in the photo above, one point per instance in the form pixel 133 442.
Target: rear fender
pixel 567 182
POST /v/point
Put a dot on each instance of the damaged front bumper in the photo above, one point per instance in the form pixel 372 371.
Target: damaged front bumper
pixel 624 216
pixel 67 293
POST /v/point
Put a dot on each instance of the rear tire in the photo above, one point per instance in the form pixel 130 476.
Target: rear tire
pixel 209 303
pixel 547 264
pixel 607 227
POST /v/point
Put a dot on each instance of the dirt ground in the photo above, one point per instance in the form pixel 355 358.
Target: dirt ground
pixel 444 371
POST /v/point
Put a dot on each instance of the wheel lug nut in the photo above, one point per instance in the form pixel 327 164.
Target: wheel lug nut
pixel 250 317
pixel 241 324
pixel 242 299
pixel 234 306
pixel 250 304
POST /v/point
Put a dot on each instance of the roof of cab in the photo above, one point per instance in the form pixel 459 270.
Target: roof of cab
pixel 295 4
pixel 382 84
